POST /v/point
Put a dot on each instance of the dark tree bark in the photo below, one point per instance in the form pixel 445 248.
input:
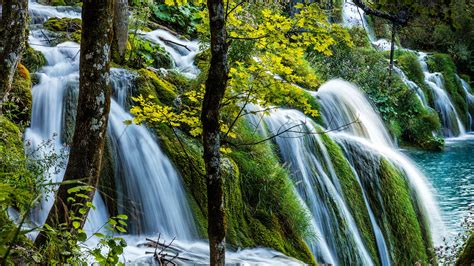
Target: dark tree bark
pixel 401 18
pixel 13 38
pixel 92 112
pixel 215 88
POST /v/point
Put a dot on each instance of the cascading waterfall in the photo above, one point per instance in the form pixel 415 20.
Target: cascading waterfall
pixel 452 125
pixel 351 122
pixel 470 101
pixel 318 186
pixel 45 132
pixel 148 184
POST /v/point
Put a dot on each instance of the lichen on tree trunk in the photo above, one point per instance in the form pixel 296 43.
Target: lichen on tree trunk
pixel 13 37
pixel 215 88
pixel 92 113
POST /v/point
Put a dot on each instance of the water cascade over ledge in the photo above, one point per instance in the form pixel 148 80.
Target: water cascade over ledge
pixel 322 184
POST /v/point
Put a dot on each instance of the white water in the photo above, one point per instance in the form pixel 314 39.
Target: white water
pixel 318 186
pixel 182 54
pixel 149 189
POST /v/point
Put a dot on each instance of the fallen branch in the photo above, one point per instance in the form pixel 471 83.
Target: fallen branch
pixel 175 43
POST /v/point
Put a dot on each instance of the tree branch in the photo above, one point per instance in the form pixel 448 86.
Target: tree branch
pixel 401 18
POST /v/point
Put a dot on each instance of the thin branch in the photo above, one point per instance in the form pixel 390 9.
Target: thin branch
pixel 400 18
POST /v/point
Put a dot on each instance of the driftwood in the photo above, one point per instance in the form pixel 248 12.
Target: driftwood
pixel 164 253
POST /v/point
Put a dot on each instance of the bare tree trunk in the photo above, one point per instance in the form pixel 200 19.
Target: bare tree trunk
pixel 215 88
pixel 392 50
pixel 92 112
pixel 13 37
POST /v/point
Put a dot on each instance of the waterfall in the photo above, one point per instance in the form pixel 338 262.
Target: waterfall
pixel 470 101
pixel 336 97
pixel 413 86
pixel 352 123
pixel 452 125
pixel 149 188
pixel 45 132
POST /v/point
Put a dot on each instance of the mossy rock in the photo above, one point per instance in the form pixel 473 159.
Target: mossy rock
pixel 249 223
pixel 33 60
pixel 66 29
pixel 466 258
pixel 406 228
pixel 71 97
pixel 62 2
pixel 148 83
pixel 19 104
pixel 353 194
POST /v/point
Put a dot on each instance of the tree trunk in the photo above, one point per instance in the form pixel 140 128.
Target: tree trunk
pixel 215 88
pixel 120 40
pixel 92 113
pixel 13 38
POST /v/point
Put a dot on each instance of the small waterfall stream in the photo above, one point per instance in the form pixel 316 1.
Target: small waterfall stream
pixel 470 101
pixel 452 125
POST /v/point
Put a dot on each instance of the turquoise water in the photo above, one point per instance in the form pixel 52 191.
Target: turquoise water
pixel 451 173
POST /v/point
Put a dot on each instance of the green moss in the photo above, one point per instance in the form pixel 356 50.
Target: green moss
pixel 67 29
pixel 19 103
pixel 10 136
pixel 353 195
pixel 33 60
pixel 466 257
pixel 62 2
pixel 142 53
pixel 148 83
pixel 405 228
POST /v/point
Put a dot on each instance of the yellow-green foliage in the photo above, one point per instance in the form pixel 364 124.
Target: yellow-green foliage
pixel 19 103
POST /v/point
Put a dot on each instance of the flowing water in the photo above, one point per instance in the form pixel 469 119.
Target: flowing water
pixel 358 129
pixel 470 101
pixel 452 174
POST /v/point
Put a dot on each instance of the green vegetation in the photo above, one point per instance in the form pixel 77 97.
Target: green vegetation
pixel 401 110
pixel 149 84
pixel 467 255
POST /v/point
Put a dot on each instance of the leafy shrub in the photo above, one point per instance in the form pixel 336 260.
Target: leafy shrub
pixel 182 18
